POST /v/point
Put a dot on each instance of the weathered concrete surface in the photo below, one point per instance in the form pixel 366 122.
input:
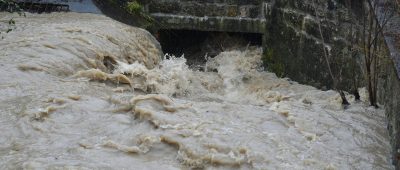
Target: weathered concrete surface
pixel 389 86
pixel 389 95
pixel 223 24
pixel 210 8
pixel 392 34
pixel 295 47
pixel 116 10
pixel 209 15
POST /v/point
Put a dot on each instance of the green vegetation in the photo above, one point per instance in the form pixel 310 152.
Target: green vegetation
pixel 135 8
pixel 273 64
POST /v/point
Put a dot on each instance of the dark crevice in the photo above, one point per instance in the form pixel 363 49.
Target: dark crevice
pixel 109 63
pixel 195 45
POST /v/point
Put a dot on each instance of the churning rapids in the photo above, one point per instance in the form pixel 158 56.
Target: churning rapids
pixel 81 91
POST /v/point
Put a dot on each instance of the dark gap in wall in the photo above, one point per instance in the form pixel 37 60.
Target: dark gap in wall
pixel 196 44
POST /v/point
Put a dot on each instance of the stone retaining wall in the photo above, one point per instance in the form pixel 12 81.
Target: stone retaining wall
pixel 295 47
pixel 208 15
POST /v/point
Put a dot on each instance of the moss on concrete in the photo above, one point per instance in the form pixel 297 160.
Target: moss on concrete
pixel 129 12
pixel 273 64
pixel 298 47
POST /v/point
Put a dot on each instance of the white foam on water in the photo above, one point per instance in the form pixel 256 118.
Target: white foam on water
pixel 80 91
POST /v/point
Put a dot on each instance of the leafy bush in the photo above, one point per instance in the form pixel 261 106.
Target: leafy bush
pixel 134 7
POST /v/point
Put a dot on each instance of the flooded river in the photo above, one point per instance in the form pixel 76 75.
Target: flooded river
pixel 81 91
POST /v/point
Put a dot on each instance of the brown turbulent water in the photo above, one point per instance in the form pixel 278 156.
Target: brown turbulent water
pixel 80 91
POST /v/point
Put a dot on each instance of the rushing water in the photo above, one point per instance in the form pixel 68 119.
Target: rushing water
pixel 80 91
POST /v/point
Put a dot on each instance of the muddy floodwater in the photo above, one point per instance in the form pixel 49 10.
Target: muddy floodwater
pixel 81 91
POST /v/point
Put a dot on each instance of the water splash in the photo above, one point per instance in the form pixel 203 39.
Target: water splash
pixel 64 105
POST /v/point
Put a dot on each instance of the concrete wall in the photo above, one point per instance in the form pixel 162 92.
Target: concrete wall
pixel 208 15
pixel 389 83
pixel 116 9
pixel 295 47
pixel 389 95
pixel 210 8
